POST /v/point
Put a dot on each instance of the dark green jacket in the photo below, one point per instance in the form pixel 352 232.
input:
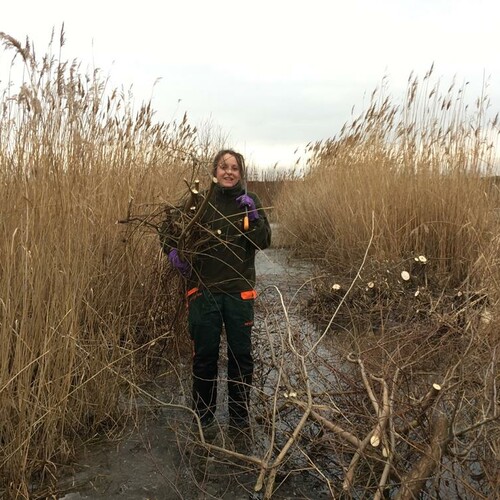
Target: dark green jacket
pixel 226 263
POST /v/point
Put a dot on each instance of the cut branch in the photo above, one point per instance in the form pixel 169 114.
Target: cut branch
pixel 426 403
pixel 414 481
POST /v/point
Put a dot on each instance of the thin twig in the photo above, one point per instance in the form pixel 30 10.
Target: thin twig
pixel 358 274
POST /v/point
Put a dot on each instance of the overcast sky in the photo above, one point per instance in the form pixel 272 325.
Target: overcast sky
pixel 271 74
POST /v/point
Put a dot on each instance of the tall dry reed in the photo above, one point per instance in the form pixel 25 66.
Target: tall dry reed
pixel 74 285
pixel 416 170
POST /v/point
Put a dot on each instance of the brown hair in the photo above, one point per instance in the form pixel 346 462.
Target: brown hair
pixel 239 160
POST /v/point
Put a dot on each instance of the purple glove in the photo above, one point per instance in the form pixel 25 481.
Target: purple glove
pixel 183 267
pixel 245 201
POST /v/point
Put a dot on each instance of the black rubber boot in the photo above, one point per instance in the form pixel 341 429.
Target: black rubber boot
pixel 205 399
pixel 238 401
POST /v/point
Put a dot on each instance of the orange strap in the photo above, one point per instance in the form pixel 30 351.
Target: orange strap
pixel 248 294
pixel 191 291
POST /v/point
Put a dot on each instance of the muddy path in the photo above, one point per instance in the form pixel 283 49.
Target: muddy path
pixel 159 457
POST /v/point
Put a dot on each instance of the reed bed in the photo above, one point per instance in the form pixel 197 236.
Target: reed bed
pixel 411 172
pixel 82 297
pixel 77 289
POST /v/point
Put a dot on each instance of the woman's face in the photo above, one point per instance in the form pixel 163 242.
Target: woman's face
pixel 228 172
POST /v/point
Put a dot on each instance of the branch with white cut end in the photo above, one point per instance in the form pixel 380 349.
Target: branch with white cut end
pixel 425 403
pixel 195 219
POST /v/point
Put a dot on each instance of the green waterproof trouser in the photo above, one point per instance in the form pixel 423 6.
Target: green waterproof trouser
pixel 208 313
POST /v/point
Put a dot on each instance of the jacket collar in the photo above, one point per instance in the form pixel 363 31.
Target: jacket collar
pixel 231 191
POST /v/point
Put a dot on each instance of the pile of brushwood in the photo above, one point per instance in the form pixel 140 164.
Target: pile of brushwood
pixel 407 408
pixel 389 295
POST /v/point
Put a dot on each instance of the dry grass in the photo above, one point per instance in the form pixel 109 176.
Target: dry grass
pixel 416 168
pixel 80 296
pixel 78 292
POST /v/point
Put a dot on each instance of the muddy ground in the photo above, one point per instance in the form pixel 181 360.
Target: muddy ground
pixel 160 458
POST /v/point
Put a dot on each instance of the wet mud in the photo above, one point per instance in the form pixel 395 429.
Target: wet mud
pixel 160 458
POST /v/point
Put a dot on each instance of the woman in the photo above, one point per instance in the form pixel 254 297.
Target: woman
pixel 221 281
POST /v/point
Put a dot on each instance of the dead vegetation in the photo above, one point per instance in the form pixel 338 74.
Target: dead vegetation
pixel 398 392
pixel 80 295
pixel 394 414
